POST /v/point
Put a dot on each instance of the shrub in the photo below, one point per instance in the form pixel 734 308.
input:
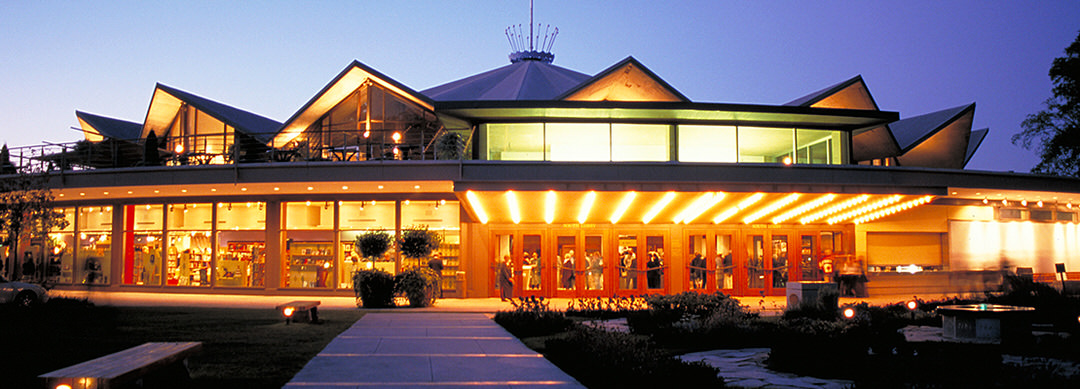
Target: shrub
pixel 685 310
pixel 373 244
pixel 824 308
pixel 419 285
pixel 532 316
pixel 374 288
pixel 418 242
pixel 606 307
pixel 604 359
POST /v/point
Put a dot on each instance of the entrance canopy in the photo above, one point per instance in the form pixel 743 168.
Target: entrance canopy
pixel 631 207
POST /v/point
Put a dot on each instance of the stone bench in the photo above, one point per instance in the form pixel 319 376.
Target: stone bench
pixel 123 367
pixel 294 310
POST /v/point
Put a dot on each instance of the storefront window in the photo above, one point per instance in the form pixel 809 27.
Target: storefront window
pixel 190 249
pixel 355 219
pixel 94 256
pixel 241 244
pixel 60 268
pixel 142 244
pixel 309 245
pixel 443 217
pixel 640 142
pixel 767 145
pixel 514 141
pixel 707 144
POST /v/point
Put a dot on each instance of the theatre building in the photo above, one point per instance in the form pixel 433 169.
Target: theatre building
pixel 603 184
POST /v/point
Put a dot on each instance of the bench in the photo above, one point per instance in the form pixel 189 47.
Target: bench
pixel 123 367
pixel 293 310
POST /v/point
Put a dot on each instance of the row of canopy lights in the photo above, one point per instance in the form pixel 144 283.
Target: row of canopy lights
pixel 858 209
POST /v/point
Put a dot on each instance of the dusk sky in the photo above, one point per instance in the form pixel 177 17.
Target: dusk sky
pixel 272 57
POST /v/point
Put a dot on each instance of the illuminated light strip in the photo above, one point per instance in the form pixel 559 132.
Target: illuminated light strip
pixel 586 207
pixel 741 206
pixel 474 202
pixel 835 208
pixel 623 206
pixel 515 211
pixel 866 208
pixel 803 208
pixel 699 206
pixel 549 207
pixel 658 207
pixel 771 208
pixel 893 209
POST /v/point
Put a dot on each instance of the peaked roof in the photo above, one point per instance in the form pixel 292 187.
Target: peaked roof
pixel 637 83
pixel 912 131
pixel 524 80
pixel 167 100
pixel 977 137
pixel 851 93
pixel 97 128
pixel 344 84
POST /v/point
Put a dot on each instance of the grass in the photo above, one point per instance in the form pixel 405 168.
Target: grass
pixel 242 348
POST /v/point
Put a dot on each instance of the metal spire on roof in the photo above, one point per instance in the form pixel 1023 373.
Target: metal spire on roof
pixel 532 52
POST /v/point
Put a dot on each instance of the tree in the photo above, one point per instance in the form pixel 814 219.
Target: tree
pixel 450 146
pixel 418 242
pixel 26 213
pixel 1055 131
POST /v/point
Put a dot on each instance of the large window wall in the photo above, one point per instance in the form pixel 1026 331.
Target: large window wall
pixel 190 249
pixel 601 142
pixel 143 244
pixel 93 260
pixel 357 218
pixel 61 266
pixel 241 244
pixel 198 138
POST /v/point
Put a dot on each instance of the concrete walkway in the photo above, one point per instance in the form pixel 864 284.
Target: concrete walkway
pixel 429 350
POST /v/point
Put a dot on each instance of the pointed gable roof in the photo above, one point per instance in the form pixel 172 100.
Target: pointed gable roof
pixel 97 128
pixel 937 139
pixel 977 137
pixel 627 80
pixel 851 94
pixel 523 80
pixel 344 84
pixel 167 101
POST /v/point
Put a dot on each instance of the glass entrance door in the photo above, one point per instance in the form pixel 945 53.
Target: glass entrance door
pixel 567 259
pixel 523 252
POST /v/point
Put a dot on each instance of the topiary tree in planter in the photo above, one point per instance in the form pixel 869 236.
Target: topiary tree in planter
pixel 374 288
pixel 418 285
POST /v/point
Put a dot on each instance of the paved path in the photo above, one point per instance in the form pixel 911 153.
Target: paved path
pixel 428 350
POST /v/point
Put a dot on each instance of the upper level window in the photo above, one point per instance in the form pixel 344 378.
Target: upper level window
pixel 708 143
pixel 576 142
pixel 198 137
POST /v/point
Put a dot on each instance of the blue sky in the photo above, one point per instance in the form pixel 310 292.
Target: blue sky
pixel 271 57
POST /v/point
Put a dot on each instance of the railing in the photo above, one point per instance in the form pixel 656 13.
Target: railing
pixel 205 150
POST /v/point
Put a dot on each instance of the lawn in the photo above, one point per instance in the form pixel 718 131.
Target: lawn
pixel 242 348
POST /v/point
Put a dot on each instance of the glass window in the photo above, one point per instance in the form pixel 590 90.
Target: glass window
pixel 640 142
pixel 241 244
pixel 818 147
pixel 309 215
pixel 190 250
pixel 657 261
pixel 443 217
pixel 707 144
pixel 628 263
pixel 359 217
pixel 577 142
pixel 94 257
pixel 61 258
pixel 755 262
pixel 765 145
pixel 566 249
pixel 514 141
pixel 532 262
pixel 696 265
pixel 725 268
pixel 594 262
pixel 142 249
pixel 309 245
pixel 779 263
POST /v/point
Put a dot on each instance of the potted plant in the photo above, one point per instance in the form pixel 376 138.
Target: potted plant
pixel 374 288
pixel 419 284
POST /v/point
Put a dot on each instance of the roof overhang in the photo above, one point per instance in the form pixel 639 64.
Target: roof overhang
pixel 666 112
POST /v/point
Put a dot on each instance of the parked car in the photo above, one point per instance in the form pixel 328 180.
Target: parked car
pixel 21 293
